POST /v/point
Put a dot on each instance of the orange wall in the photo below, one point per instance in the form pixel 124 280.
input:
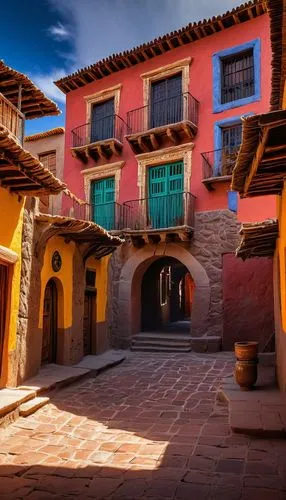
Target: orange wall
pixel 200 87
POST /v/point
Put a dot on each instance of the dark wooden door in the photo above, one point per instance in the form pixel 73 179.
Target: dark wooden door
pixel 102 121
pixel 166 101
pixel 3 306
pixel 89 323
pixel 49 345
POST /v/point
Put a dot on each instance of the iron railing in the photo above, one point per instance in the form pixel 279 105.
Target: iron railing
pixel 219 162
pixel 109 127
pixel 110 216
pixel 12 118
pixel 160 212
pixel 167 111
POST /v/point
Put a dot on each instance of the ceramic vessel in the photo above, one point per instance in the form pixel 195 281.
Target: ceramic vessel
pixel 246 351
pixel 246 374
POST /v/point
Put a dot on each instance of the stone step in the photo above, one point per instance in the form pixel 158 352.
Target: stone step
pixel 159 342
pixel 171 337
pixel 33 405
pixel 158 348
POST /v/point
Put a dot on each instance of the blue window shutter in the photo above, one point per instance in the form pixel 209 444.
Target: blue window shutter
pixel 232 200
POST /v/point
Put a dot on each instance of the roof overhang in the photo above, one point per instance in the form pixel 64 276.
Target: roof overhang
pixel 44 135
pixel 258 239
pixel 277 14
pixel 23 173
pixel 95 240
pixel 191 33
pixel 34 103
pixel 260 168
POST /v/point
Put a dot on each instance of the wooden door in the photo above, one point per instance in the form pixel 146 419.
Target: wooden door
pixel 89 323
pixel 3 307
pixel 102 121
pixel 102 200
pixel 49 344
pixel 166 101
pixel 166 184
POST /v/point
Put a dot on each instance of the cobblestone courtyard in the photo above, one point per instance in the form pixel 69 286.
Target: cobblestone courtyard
pixel 150 428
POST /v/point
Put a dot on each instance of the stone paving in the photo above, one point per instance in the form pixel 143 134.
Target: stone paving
pixel 151 428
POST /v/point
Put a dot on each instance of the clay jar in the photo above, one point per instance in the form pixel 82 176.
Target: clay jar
pixel 246 364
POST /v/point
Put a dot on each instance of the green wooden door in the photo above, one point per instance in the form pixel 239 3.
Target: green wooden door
pixel 102 200
pixel 166 184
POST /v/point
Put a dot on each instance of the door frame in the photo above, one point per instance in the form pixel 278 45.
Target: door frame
pixel 3 350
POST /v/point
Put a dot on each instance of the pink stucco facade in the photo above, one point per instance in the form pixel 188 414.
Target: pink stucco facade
pixel 200 86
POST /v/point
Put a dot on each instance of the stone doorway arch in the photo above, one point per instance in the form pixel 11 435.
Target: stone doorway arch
pixel 129 318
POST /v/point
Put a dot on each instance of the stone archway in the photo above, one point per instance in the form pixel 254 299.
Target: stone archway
pixel 130 288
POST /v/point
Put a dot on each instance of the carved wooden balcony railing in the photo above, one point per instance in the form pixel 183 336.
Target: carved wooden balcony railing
pixel 218 165
pixel 174 118
pixel 12 118
pixel 99 139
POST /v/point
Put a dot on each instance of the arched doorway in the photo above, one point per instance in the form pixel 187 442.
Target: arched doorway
pixel 166 297
pixel 50 323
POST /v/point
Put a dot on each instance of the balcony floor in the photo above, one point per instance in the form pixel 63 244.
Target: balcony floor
pixel 103 150
pixel 140 237
pixel 150 140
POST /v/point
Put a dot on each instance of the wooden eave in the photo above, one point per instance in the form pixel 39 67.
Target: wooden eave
pixel 100 150
pixel 96 240
pixel 277 15
pixel 258 239
pixel 190 33
pixel 149 140
pixel 210 182
pixel 21 172
pixel 261 164
pixel 34 103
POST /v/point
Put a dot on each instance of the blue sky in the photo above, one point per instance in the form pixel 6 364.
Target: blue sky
pixel 48 39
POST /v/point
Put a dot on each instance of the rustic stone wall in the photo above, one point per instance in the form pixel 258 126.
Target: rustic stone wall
pixel 216 233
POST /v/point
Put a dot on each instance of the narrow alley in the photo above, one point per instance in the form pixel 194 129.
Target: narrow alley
pixel 150 428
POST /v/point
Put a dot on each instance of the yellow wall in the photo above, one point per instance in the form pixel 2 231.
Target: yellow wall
pixel 100 266
pixel 11 210
pixel 63 278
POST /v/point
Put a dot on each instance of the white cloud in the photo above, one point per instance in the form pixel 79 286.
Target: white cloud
pixel 59 32
pixel 46 84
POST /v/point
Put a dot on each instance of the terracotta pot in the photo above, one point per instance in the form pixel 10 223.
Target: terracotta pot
pixel 246 351
pixel 246 374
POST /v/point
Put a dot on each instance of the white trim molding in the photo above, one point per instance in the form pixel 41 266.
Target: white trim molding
pixel 8 256
pixel 103 95
pixel 182 152
pixel 97 173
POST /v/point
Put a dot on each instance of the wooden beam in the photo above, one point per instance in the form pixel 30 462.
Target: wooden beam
pixel 250 13
pixel 187 130
pixel 220 23
pixel 172 135
pixel 101 152
pixel 142 144
pixel 256 160
pixel 154 141
pixel 274 158
pixel 236 18
pixel 270 149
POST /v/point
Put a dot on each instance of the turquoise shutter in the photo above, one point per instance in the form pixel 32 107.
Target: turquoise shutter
pixel 166 184
pixel 103 195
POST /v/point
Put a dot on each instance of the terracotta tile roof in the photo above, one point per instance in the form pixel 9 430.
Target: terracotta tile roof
pixel 43 135
pixel 23 173
pixel 277 14
pixel 34 102
pixel 190 33
pixel 258 239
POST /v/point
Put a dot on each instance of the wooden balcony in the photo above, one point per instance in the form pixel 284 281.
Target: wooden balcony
pixel 160 218
pixel 99 140
pixel 218 166
pixel 12 119
pixel 175 119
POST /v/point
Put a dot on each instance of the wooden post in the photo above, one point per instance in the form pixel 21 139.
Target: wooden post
pixel 19 104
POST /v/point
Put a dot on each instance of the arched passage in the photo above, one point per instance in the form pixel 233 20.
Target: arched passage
pixel 130 287
pixel 166 297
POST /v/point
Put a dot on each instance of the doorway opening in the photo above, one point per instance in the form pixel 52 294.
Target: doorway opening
pixel 89 314
pixel 50 323
pixel 166 297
